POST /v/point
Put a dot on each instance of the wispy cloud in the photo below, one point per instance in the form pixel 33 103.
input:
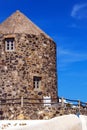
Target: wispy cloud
pixel 73 26
pixel 79 11
pixel 67 57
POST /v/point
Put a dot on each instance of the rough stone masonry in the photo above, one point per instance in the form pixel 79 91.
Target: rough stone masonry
pixel 27 66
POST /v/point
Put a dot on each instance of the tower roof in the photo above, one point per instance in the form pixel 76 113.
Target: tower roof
pixel 19 23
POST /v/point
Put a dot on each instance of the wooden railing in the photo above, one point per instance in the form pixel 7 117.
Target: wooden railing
pixel 73 102
pixel 59 100
pixel 23 101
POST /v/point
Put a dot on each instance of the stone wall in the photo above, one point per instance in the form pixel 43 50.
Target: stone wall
pixel 33 56
pixel 38 111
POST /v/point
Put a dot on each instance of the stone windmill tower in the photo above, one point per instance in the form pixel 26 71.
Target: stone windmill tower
pixel 27 60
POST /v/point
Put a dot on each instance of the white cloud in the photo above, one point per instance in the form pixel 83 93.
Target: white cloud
pixel 73 26
pixel 67 57
pixel 79 11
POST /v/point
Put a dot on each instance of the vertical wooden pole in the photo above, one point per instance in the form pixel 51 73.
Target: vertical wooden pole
pixel 79 105
pixel 62 102
pixel 86 105
pixel 21 101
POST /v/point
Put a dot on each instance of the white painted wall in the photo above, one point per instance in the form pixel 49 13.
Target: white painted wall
pixel 68 122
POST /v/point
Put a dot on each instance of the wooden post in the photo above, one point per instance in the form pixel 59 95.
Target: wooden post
pixel 79 105
pixel 62 102
pixel 86 105
pixel 21 101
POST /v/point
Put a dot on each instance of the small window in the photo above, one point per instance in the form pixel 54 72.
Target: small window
pixel 9 44
pixel 36 82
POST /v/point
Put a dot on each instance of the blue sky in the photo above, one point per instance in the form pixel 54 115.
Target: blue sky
pixel 66 22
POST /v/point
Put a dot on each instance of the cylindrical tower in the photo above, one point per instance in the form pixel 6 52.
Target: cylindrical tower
pixel 27 60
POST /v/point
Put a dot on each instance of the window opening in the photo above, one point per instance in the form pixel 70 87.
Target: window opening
pixel 9 44
pixel 36 82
